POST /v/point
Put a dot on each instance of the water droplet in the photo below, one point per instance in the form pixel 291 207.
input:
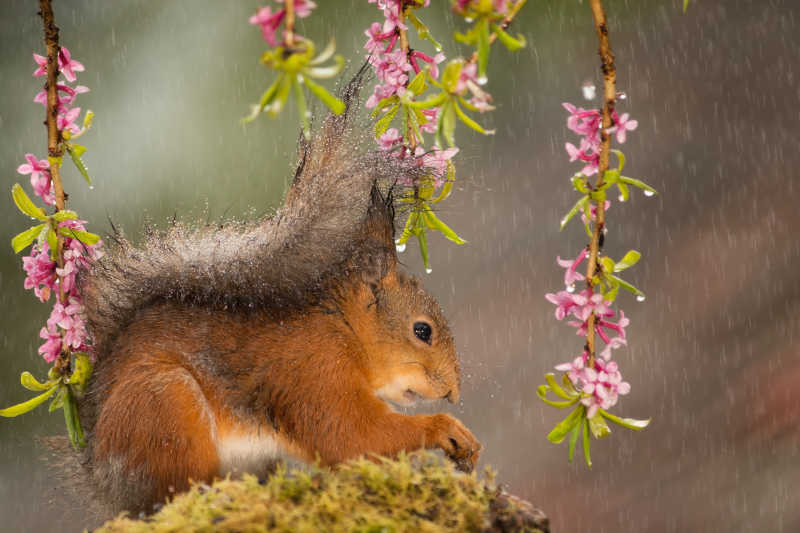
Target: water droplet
pixel 621 198
pixel 91 187
pixel 640 298
pixel 589 91
pixel 401 248
pixel 482 80
pixel 622 96
pixel 469 20
pixel 428 270
pixel 648 193
pixel 571 288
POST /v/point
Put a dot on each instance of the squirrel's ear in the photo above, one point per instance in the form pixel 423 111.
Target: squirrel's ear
pixel 376 256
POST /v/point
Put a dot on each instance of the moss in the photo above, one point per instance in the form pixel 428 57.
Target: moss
pixel 418 492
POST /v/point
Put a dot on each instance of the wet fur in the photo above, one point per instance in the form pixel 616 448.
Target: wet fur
pixel 262 333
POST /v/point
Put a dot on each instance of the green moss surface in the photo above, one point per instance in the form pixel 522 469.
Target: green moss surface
pixel 419 492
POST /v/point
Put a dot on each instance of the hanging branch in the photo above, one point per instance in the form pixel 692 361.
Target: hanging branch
pixel 609 102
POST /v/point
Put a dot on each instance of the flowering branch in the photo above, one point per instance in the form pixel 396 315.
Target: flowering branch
pixel 60 244
pixel 590 383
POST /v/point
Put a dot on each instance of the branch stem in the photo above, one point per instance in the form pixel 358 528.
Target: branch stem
pixel 289 23
pixel 512 12
pixel 412 139
pixel 609 101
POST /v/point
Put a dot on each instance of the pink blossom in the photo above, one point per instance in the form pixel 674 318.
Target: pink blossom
pixel 269 22
pixel 67 121
pixel 67 65
pixel 376 37
pixel 34 167
pixel 567 302
pixel 63 101
pixel 390 138
pixel 622 125
pixel 51 349
pixel 593 212
pixel 436 161
pixel 432 116
pixel 468 75
pixel 600 386
pixel 432 61
pixel 302 8
pixel 571 275
pixel 41 271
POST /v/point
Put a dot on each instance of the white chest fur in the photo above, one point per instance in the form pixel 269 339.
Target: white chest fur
pixel 254 452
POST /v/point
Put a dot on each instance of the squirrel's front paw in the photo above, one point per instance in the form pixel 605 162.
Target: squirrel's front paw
pixel 458 443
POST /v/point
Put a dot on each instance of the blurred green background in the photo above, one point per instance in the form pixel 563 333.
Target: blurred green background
pixel 713 353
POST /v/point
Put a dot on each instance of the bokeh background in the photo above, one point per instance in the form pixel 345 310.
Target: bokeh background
pixel 714 352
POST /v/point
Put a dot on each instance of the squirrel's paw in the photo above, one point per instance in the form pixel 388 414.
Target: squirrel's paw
pixel 457 442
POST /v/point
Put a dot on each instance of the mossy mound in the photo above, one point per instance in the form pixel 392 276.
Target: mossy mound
pixel 418 492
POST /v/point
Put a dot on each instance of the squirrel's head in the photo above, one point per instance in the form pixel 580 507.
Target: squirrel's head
pixel 408 350
pixel 409 353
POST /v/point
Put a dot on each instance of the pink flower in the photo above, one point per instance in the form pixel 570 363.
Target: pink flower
pixel 622 125
pixel 600 386
pixel 67 121
pixel 42 62
pixel 51 349
pixel 67 65
pixel 390 138
pixel 302 8
pixel 433 61
pixel 376 37
pixel 63 101
pixel 269 22
pixel 436 161
pixel 34 167
pixel 566 302
pixel 431 114
pixel 571 275
pixel 41 272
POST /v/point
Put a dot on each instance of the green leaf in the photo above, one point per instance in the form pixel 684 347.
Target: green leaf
pixel 579 183
pixel 422 30
pixel 447 122
pixel 586 443
pixel 52 243
pixel 630 423
pixel 483 48
pixel 630 259
pixel 76 159
pixel 610 177
pixel 417 86
pixel 621 158
pixel 565 426
pixel 573 439
pixel 551 380
pixel 434 222
pixel 64 214
pixel 84 236
pixel 79 149
pixel 24 407
pixel 685 5
pixel 451 75
pixel 624 192
pixel 450 179
pixel 302 108
pixel 432 101
pixel 25 204
pixel 628 287
pixel 469 122
pixel 542 391
pixel 607 264
pixel 87 119
pixel 326 72
pixel 383 123
pixel 26 238
pixel 580 204
pixel 73 423
pixel 511 43
pixel 411 224
pixel 422 237
pixel 281 96
pixel 599 427
pixel 333 103
pixel 611 295
pixel 83 370
pixel 58 401
pixel 638 183
pixel 32 384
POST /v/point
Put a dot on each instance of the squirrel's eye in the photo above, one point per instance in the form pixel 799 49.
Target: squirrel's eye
pixel 423 331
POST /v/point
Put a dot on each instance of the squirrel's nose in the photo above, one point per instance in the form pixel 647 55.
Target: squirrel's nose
pixel 452 396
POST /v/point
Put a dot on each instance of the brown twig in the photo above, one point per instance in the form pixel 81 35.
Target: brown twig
pixel 412 139
pixel 55 148
pixel 609 101
pixel 289 4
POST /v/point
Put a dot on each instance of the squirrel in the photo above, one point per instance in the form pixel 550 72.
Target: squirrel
pixel 225 349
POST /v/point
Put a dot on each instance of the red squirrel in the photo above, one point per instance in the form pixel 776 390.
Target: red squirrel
pixel 224 349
